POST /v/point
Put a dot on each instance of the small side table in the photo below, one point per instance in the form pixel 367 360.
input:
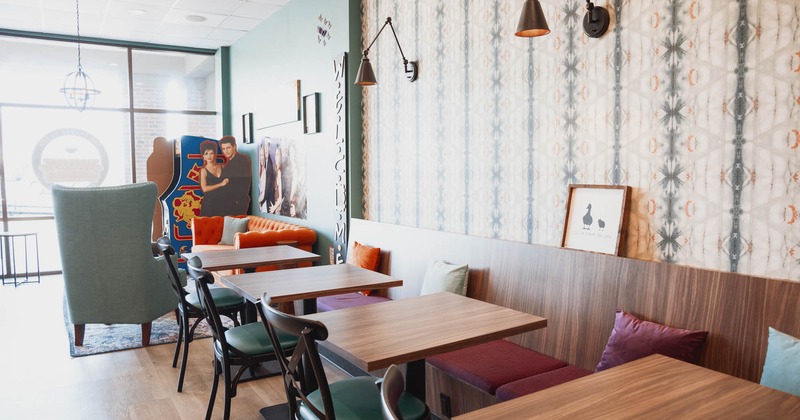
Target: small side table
pixel 10 238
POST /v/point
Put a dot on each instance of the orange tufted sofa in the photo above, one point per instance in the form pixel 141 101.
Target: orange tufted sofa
pixel 261 231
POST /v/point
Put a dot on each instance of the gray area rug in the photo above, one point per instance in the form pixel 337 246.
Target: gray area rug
pixel 101 338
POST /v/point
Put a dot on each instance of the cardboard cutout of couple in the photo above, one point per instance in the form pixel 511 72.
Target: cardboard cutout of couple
pixel 226 184
pixel 211 178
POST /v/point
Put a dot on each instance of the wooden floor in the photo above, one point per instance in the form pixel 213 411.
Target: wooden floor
pixel 39 379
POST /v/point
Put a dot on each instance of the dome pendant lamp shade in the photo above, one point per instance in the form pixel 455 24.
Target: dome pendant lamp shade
pixel 365 75
pixel 532 21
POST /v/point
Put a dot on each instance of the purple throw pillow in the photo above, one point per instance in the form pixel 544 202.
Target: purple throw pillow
pixel 633 339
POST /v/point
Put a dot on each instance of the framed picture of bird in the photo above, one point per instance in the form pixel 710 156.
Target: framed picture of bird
pixel 597 218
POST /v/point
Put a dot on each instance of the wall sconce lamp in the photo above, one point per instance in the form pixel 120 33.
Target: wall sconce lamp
pixel 531 21
pixel 596 21
pixel 366 76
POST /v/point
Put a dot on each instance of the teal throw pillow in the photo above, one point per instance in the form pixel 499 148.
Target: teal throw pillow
pixel 443 277
pixel 782 366
pixel 232 226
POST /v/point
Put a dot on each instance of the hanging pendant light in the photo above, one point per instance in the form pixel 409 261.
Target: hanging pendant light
pixel 78 87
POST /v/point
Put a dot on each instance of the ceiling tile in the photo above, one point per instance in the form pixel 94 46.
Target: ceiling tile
pixel 239 23
pixel 255 10
pixel 226 34
pixel 179 17
pixel 220 7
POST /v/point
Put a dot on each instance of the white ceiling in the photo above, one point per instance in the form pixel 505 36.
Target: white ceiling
pixel 188 23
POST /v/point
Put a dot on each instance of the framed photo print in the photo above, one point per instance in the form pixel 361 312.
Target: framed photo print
pixel 311 113
pixel 247 128
pixel 597 218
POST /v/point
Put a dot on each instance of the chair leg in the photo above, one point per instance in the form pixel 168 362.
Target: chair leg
pixel 214 385
pixel 178 345
pixel 146 328
pixel 226 376
pixel 185 358
pixel 80 329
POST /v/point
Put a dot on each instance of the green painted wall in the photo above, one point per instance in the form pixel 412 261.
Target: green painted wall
pixel 284 48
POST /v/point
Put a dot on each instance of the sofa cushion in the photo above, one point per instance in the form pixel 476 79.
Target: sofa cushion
pixel 201 248
pixel 633 338
pixel 365 256
pixel 232 226
pixel 782 365
pixel 443 277
pixel 490 365
pixel 347 300
pixel 539 382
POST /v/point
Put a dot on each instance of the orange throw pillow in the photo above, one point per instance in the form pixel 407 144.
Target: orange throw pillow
pixel 365 256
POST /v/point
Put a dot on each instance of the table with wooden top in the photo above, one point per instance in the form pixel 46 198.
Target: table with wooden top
pixel 409 330
pixel 248 258
pixel 307 283
pixel 655 387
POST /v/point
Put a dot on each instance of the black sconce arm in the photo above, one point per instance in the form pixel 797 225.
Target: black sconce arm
pixel 388 22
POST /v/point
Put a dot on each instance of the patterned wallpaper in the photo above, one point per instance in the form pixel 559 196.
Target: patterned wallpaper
pixel 694 104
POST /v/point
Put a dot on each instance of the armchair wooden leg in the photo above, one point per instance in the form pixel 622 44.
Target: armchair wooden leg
pixel 80 329
pixel 146 328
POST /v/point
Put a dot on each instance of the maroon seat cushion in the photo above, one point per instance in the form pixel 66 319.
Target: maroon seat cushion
pixel 539 382
pixel 347 300
pixel 488 366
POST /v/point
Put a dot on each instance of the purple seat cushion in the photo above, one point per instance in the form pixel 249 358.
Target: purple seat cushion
pixel 347 300
pixel 488 366
pixel 539 382
pixel 633 338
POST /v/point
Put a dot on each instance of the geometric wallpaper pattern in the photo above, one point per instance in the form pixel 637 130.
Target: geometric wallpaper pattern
pixel 694 104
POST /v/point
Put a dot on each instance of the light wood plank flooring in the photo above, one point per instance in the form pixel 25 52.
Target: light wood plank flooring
pixel 39 379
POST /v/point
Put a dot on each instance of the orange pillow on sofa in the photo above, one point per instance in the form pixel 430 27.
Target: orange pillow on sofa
pixel 365 256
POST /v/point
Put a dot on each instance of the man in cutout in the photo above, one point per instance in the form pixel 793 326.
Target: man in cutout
pixel 238 170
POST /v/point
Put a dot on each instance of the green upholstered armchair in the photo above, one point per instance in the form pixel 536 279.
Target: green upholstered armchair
pixel 110 273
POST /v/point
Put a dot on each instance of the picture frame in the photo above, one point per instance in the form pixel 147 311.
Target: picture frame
pixel 311 113
pixel 596 218
pixel 281 105
pixel 247 128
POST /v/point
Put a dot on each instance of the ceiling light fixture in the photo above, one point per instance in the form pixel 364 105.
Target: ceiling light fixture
pixel 78 87
pixel 196 18
pixel 366 76
pixel 532 21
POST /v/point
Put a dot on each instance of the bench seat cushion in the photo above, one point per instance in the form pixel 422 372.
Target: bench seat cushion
pixel 539 382
pixel 347 300
pixel 488 366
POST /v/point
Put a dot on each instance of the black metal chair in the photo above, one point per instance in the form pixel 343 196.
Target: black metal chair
pixel 245 346
pixel 308 392
pixel 229 304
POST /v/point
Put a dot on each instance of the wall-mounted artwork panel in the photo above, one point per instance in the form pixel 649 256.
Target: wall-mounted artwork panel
pixel 279 105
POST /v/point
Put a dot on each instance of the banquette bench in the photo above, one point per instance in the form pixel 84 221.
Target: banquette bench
pixel 578 292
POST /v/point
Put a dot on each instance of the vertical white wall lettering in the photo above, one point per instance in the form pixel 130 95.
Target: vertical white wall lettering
pixel 340 166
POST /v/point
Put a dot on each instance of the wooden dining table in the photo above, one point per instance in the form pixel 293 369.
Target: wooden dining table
pixel 655 387
pixel 308 283
pixel 408 330
pixel 249 258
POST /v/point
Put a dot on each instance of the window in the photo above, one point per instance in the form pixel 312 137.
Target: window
pixel 44 142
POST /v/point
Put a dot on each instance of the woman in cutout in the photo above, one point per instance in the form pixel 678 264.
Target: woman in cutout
pixel 266 177
pixel 211 181
pixel 275 205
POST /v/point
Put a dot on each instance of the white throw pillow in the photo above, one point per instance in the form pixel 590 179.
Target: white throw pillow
pixel 443 277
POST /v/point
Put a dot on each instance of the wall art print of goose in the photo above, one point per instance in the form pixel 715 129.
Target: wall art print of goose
pixel 587 218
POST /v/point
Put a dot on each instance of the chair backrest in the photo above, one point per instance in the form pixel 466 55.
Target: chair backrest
pixel 168 252
pixel 110 273
pixel 302 369
pixel 202 279
pixel 391 389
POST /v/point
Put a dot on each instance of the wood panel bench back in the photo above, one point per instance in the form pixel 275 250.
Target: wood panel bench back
pixel 578 292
